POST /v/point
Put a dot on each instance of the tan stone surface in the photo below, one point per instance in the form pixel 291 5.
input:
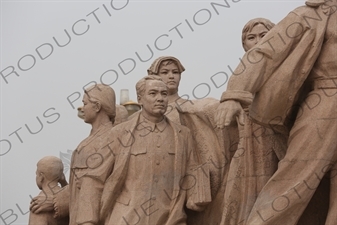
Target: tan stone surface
pixel 265 155
pixel 258 152
pixel 213 146
pixel 92 161
pixel 154 175
pixel 292 71
pixel 121 114
pixel 49 171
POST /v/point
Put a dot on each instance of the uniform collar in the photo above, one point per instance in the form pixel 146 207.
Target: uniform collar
pixel 161 126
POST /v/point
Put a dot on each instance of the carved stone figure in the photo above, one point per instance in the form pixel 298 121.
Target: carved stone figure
pixel 292 71
pixel 155 175
pixel 259 150
pixel 213 147
pixel 169 69
pixel 254 30
pixel 48 173
pixel 92 161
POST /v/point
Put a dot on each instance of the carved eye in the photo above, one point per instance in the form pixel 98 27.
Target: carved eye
pixel 263 34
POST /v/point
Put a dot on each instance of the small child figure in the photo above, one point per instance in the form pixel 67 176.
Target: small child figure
pixel 48 174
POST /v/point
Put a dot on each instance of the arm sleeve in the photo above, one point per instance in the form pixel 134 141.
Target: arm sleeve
pixel 61 202
pixel 200 194
pixel 92 183
pixel 259 63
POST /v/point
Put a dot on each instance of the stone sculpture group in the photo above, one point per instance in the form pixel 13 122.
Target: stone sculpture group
pixel 264 154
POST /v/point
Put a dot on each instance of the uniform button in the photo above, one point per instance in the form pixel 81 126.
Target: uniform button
pixel 153 197
pixel 158 146
pixel 157 162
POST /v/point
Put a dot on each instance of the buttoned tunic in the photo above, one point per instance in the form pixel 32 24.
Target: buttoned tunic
pixel 152 180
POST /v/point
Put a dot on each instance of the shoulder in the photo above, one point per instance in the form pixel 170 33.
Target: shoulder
pixel 309 10
pixel 315 3
pixel 178 128
pixel 127 125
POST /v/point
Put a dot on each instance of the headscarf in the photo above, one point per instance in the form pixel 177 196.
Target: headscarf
pixel 154 68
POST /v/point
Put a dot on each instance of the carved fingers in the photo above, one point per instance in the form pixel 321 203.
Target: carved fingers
pixel 41 204
pixel 227 112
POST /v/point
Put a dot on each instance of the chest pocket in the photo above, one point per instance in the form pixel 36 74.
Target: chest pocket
pixel 171 150
pixel 138 150
pixel 124 199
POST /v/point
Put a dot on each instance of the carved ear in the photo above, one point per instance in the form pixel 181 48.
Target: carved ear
pixel 41 177
pixel 98 106
pixel 139 99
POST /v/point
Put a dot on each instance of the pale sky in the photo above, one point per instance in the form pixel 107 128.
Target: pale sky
pixel 43 71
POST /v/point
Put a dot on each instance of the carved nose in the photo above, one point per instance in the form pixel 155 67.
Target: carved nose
pixel 80 112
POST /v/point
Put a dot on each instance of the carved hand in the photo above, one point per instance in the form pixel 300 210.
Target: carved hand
pixel 227 111
pixel 41 204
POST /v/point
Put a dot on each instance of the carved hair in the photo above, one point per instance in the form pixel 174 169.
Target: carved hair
pixel 165 60
pixel 51 167
pixel 140 86
pixel 105 95
pixel 251 24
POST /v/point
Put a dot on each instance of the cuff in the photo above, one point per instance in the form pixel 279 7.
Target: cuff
pixel 244 97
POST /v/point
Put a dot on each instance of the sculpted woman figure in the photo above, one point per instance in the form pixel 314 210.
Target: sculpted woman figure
pixel 211 145
pixel 259 150
pixel 92 161
pixel 279 78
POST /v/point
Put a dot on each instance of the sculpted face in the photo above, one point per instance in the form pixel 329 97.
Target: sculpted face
pixel 171 76
pixel 88 110
pixel 154 100
pixel 254 36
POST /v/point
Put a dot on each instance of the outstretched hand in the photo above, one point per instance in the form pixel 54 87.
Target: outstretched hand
pixel 227 111
pixel 41 204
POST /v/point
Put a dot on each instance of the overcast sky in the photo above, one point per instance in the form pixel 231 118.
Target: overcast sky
pixel 50 50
